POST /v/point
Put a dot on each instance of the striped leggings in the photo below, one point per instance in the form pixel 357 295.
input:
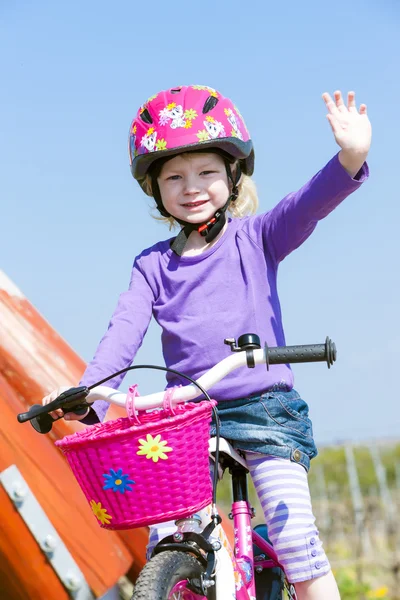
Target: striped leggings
pixel 283 491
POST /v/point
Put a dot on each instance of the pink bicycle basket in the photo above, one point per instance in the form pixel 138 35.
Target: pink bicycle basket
pixel 140 470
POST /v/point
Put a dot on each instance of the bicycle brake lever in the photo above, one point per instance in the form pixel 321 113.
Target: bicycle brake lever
pixel 69 398
pixel 66 401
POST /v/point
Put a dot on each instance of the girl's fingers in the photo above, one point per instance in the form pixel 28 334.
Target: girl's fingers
pixel 337 106
pixel 351 101
pixel 339 101
pixel 330 104
pixel 54 394
pixel 55 414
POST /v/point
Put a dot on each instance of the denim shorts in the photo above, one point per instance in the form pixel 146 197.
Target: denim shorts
pixel 275 423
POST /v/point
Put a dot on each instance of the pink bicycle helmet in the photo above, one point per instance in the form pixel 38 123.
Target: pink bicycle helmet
pixel 188 119
pixel 185 119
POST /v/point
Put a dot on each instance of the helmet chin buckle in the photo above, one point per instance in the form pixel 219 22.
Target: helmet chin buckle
pixel 213 227
pixel 204 229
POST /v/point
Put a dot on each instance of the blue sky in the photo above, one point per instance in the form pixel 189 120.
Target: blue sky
pixel 73 219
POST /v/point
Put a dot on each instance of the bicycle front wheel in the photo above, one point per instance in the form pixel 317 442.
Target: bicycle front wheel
pixel 166 575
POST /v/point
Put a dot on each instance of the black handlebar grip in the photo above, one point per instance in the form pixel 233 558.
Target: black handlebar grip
pixel 34 411
pixel 301 354
pixel 67 401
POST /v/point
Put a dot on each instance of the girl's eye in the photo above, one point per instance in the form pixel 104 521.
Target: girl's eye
pixel 173 177
pixel 206 172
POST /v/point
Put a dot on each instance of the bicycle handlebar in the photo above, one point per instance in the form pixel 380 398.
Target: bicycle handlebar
pixel 78 399
pixel 299 354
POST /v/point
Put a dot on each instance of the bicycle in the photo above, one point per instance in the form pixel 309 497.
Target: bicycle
pixel 194 563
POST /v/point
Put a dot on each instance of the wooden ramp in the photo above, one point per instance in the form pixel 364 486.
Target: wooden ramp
pixel 34 360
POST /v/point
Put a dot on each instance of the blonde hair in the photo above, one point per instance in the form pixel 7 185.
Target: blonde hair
pixel 245 204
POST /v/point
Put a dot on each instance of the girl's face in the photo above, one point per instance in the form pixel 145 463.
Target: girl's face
pixel 193 186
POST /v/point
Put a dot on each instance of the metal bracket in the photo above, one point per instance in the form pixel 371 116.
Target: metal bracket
pixel 44 533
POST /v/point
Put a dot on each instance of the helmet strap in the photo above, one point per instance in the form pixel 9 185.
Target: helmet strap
pixel 208 229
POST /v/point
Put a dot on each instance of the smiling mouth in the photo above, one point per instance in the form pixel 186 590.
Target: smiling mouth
pixel 194 204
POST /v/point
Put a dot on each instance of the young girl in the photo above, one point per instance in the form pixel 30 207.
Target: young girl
pixel 191 151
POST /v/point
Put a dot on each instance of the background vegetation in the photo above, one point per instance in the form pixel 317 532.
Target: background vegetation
pixel 356 500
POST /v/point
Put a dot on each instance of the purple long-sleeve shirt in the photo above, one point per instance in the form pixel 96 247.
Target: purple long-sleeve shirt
pixel 223 292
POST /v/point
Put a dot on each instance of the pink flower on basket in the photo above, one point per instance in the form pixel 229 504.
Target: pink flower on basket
pixel 154 448
pixel 100 513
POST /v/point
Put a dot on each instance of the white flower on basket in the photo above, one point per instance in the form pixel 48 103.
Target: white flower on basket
pixel 154 448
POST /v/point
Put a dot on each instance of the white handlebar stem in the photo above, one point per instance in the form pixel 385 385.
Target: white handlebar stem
pixel 184 393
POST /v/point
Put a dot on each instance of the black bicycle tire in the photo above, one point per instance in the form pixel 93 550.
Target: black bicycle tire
pixel 165 570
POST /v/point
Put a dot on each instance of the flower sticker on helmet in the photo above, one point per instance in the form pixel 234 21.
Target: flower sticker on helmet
pixel 232 120
pixel 239 114
pixel 176 116
pixel 214 129
pixel 203 135
pixel 205 88
pixel 151 99
pixel 190 114
pixel 161 144
pixel 149 139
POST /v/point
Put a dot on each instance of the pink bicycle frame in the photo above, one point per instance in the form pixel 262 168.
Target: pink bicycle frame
pixel 243 549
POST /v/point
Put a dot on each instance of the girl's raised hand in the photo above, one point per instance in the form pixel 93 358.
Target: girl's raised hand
pixel 351 128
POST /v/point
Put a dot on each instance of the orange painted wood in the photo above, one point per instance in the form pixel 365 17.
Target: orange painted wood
pixel 34 360
pixel 24 570
pixel 136 541
pixel 100 554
